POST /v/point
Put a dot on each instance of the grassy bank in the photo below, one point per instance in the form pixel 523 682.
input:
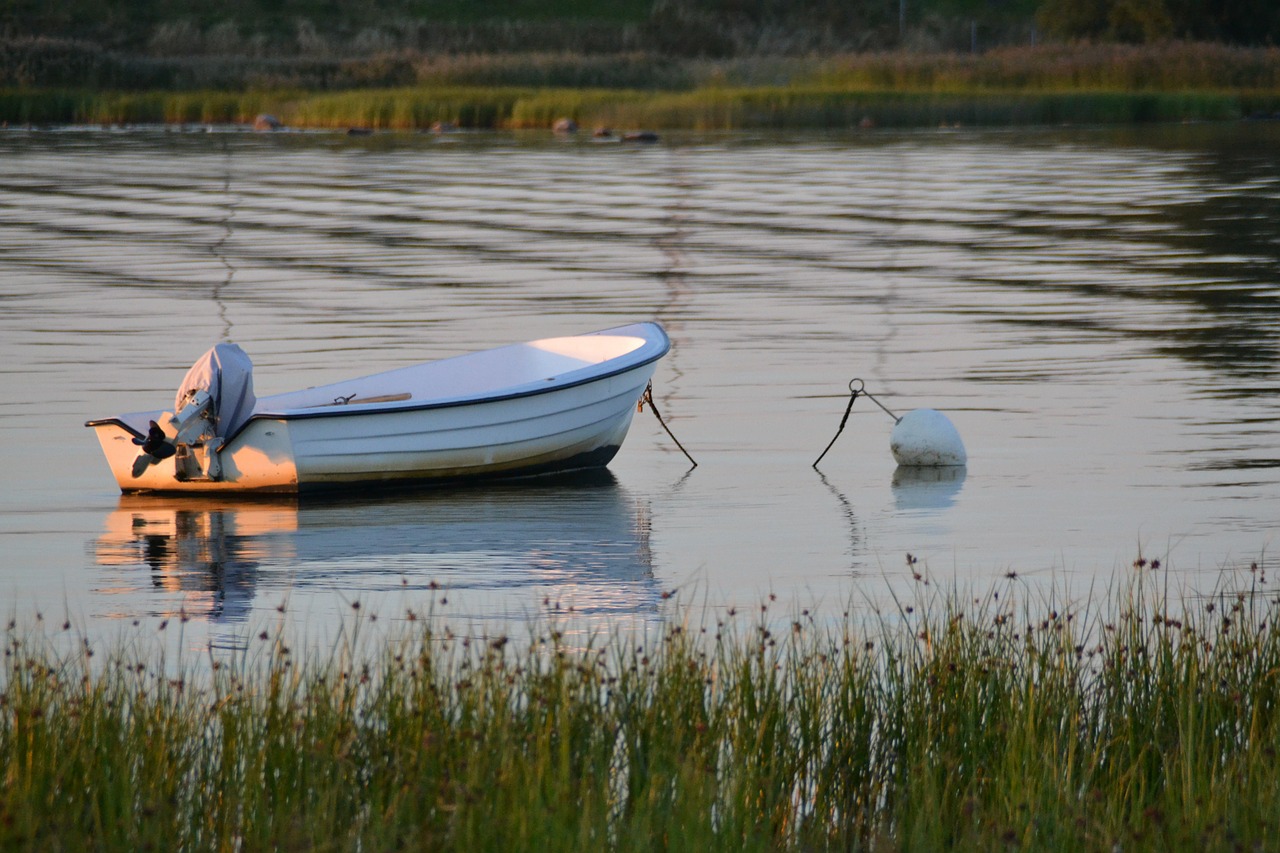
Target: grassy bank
pixel 1110 84
pixel 950 723
pixel 702 109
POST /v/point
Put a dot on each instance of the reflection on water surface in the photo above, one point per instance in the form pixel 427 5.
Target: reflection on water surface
pixel 1097 311
pixel 928 489
pixel 575 544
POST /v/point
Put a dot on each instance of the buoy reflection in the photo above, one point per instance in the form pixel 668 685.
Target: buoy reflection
pixel 927 488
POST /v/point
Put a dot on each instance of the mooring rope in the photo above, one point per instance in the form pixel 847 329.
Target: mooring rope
pixel 648 398
pixel 853 395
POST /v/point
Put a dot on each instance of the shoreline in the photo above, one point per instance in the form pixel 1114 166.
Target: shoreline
pixel 423 108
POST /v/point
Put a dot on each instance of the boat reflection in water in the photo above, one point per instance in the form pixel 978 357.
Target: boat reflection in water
pixel 201 556
pixel 575 544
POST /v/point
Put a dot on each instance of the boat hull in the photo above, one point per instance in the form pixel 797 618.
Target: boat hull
pixel 561 429
pixel 542 407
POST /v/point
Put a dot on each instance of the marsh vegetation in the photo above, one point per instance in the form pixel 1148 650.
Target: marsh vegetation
pixel 708 64
pixel 1104 84
pixel 1137 720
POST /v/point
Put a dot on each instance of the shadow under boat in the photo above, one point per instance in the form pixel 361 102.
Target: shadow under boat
pixel 578 537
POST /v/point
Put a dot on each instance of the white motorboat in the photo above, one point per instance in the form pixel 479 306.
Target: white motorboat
pixel 542 407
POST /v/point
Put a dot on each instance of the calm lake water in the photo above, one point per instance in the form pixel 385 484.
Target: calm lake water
pixel 1098 312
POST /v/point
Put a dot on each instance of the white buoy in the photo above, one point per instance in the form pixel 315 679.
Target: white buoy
pixel 926 438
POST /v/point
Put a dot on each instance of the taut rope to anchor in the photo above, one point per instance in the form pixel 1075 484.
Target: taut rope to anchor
pixel 853 395
pixel 648 398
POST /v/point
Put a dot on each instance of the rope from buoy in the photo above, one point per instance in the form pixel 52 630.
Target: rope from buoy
pixel 853 395
pixel 648 398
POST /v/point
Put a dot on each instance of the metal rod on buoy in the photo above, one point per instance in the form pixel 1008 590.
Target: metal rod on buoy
pixel 921 438
pixel 853 395
pixel 862 390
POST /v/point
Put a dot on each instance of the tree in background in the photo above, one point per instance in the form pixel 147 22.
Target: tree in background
pixel 1234 21
pixel 676 27
pixel 975 24
pixel 1245 22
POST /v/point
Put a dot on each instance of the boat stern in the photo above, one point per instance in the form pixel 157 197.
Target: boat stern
pixel 259 458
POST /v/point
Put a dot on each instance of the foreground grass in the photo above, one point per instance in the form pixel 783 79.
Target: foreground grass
pixel 950 723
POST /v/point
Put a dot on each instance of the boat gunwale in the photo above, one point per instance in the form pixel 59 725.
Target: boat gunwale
pixel 351 410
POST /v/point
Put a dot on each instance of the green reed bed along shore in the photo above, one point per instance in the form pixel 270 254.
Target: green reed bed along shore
pixel 42 63
pixel 711 109
pixel 948 722
pixel 53 82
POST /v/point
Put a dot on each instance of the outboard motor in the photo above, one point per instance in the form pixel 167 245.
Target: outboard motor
pixel 213 402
